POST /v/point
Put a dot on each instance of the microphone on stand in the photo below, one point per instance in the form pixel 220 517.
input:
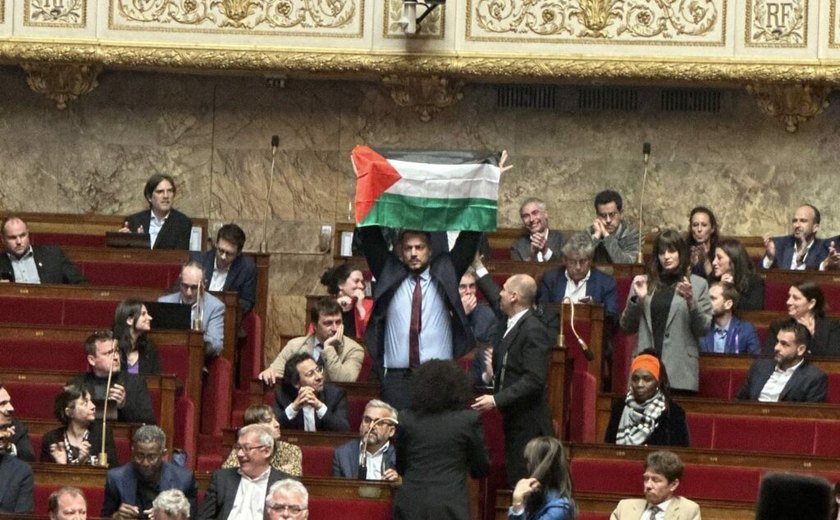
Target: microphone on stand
pixel 363 453
pixel 103 455
pixel 646 157
pixel 587 352
pixel 275 142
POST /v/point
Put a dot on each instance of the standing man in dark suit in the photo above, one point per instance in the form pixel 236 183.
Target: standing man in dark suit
pixel 376 431
pixel 25 263
pixel 250 481
pixel 788 376
pixel 167 227
pixel 305 402
pixel 537 244
pixel 131 488
pixel 16 481
pixel 416 282
pixel 518 374
pixel 801 249
pixel 225 269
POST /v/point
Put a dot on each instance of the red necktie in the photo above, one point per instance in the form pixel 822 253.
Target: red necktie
pixel 414 328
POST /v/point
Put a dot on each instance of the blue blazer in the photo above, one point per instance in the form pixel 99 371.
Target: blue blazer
pixel 784 253
pixel 346 459
pixel 808 384
pixel 600 287
pixel 741 338
pixel 121 487
pixel 17 489
pixel 242 277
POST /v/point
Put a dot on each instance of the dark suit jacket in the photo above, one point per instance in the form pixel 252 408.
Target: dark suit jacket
pixel 740 339
pixel 21 441
pixel 175 233
pixel 53 266
pixel 807 384
pixel 672 429
pixel 390 271
pixel 784 253
pixel 138 402
pixel 600 287
pixel 241 278
pixel 520 364
pixel 824 342
pixel 94 438
pixel 346 459
pixel 121 487
pixel 520 249
pixel 434 455
pixel 333 396
pixel 16 486
pixel 220 495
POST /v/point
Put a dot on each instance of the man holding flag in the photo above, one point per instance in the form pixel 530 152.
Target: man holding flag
pixel 417 313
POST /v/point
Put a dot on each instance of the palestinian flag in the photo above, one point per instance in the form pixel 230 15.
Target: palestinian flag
pixel 427 191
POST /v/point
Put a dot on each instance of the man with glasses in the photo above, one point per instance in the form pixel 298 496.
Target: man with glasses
pixel 306 402
pixel 376 431
pixel 616 241
pixel 240 493
pixel 130 489
pixel 128 394
pixel 226 269
pixel 208 312
pixel 287 499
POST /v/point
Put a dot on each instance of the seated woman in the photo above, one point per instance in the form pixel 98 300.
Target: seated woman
pixel 702 240
pixel 806 305
pixel 286 457
pixel 138 354
pixel 732 264
pixel 347 286
pixel 547 493
pixel 79 441
pixel 647 415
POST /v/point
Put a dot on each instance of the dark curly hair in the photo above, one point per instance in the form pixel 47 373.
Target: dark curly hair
pixel 336 276
pixel 67 399
pixel 439 386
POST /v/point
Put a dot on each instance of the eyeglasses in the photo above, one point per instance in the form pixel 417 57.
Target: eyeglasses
pixel 282 508
pixel 246 448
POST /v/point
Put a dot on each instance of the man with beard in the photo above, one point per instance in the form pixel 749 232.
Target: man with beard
pixel 375 431
pixel 801 249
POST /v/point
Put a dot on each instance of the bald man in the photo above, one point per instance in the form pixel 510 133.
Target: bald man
pixel 27 263
pixel 518 373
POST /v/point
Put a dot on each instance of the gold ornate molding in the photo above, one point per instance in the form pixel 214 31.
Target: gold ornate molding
pixel 426 95
pixel 791 104
pixel 62 82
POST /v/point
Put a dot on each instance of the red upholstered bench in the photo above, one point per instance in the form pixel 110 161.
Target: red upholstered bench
pixel 701 430
pixel 89 313
pixel 350 509
pixel 716 384
pixel 35 311
pixel 720 483
pixel 775 295
pixel 43 355
pixel 607 476
pixel 69 239
pixel 158 276
pixel 317 461
pixel 765 434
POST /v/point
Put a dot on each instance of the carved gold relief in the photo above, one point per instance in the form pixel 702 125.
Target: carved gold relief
pixel 588 21
pixel 432 26
pixel 791 104
pixel 270 15
pixel 62 82
pixel 775 23
pixel 55 13
pixel 426 95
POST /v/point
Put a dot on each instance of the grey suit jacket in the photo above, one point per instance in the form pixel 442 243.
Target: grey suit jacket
pixel 678 509
pixel 680 347
pixel 214 321
pixel 521 247
pixel 218 501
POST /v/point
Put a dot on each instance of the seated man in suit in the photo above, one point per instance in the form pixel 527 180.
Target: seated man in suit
pixel 240 493
pixel 226 269
pixel 340 356
pixel 287 499
pixel 728 334
pixel 305 402
pixel 208 312
pixel 16 481
pixel 376 431
pixel 129 394
pixel 131 488
pixel 21 446
pixel 788 376
pixel 67 503
pixel 578 281
pixel 167 227
pixel 616 241
pixel 27 263
pixel 537 244
pixel 663 471
pixel 801 249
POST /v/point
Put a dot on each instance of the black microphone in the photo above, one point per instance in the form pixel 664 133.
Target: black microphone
pixel 646 151
pixel 275 142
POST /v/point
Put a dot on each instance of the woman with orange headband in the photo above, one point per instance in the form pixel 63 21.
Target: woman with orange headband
pixel 647 416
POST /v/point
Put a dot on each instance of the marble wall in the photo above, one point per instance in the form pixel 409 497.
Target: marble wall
pixel 213 134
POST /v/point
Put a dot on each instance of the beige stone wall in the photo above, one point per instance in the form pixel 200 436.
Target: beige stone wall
pixel 213 134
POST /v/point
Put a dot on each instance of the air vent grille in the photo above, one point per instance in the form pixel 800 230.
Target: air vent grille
pixel 690 100
pixel 608 98
pixel 526 96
